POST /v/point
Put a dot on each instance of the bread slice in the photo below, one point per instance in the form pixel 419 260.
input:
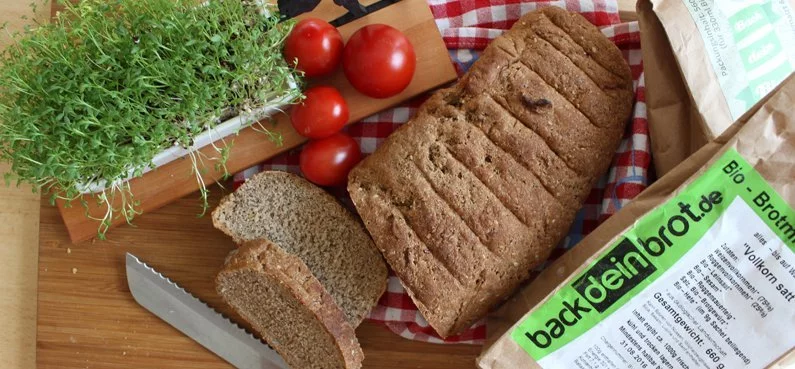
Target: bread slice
pixel 281 299
pixel 478 188
pixel 307 222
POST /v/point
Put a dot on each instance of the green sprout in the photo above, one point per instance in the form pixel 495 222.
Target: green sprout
pixel 92 97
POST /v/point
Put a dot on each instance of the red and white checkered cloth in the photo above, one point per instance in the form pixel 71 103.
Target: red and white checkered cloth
pixel 467 27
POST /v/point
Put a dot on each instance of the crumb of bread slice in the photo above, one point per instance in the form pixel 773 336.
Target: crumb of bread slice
pixel 307 222
pixel 287 306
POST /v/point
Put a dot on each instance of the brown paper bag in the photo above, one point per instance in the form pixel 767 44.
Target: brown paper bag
pixel 707 64
pixel 767 143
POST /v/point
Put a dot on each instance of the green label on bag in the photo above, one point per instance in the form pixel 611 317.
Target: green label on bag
pixel 750 45
pixel 763 85
pixel 567 331
pixel 747 21
pixel 761 51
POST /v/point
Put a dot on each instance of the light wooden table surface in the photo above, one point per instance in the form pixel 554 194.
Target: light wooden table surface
pixel 19 232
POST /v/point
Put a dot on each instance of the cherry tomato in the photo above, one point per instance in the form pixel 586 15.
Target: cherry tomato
pixel 379 61
pixel 317 46
pixel 323 112
pixel 327 161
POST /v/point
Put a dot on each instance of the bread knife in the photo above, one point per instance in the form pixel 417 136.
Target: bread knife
pixel 198 321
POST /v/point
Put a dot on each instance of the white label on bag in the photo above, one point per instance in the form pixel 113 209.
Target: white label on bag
pixel 706 280
pixel 751 45
pixel 719 307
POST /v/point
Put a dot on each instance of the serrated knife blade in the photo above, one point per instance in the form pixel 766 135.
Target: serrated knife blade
pixel 198 321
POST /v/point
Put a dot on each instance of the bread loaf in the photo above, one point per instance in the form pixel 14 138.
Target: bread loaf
pixel 288 307
pixel 477 189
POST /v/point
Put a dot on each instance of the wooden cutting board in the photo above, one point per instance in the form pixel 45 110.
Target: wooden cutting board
pixel 175 180
pixel 86 315
pixel 88 319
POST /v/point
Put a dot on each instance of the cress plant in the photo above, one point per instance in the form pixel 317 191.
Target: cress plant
pixel 93 96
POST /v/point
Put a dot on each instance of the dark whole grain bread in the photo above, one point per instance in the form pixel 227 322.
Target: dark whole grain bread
pixel 477 189
pixel 281 299
pixel 307 222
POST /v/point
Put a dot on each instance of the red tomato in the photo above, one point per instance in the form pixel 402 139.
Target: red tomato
pixel 316 45
pixel 379 61
pixel 323 112
pixel 327 161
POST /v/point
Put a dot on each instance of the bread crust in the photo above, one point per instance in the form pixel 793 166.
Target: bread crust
pixel 478 188
pixel 262 256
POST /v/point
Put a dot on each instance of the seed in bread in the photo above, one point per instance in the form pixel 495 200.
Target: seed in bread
pixel 478 188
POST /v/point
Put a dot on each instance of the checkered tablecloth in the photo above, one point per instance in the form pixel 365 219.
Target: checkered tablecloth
pixel 467 27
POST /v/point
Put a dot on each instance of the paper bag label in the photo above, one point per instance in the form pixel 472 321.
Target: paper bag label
pixel 750 44
pixel 706 280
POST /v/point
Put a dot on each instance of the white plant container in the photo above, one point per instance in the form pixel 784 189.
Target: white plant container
pixel 222 130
